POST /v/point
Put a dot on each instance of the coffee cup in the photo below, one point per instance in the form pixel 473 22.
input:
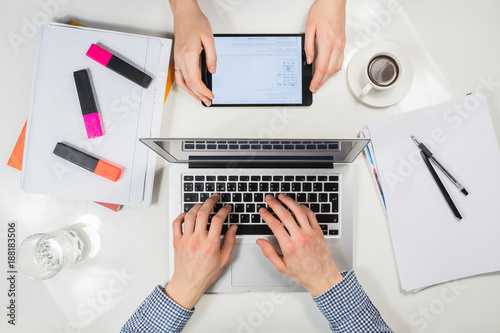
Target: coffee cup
pixel 383 72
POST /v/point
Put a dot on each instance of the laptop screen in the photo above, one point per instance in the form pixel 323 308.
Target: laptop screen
pixel 252 150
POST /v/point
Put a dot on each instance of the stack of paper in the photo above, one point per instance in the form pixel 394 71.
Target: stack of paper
pixel 430 245
pixel 128 112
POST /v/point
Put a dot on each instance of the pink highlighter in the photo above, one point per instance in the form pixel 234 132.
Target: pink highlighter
pixel 87 103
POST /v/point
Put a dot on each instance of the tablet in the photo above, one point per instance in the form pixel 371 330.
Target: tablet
pixel 259 70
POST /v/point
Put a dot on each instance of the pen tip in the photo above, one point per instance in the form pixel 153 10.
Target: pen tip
pixel 464 191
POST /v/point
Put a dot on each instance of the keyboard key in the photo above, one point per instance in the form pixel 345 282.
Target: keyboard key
pixel 188 178
pixel 253 187
pixel 301 197
pixel 239 208
pixel 210 187
pixel 323 197
pixel 187 207
pixel 292 195
pixel 204 196
pixel 244 218
pixel 234 218
pixel 331 187
pixel 333 178
pixel 255 218
pixel 285 187
pixel 296 187
pixel 222 147
pixel 258 197
pixel 236 197
pixel 225 197
pixel 275 187
pixel 289 178
pixel 210 178
pixel 317 187
pixel 244 178
pixel 322 146
pixel 200 146
pixel 222 178
pixel 314 207
pixel 244 146
pixel 198 187
pixel 333 146
pixel 300 178
pixel 300 147
pixel 190 197
pixel 334 199
pixel 267 147
pixel 333 232
pixel 327 218
pixel 326 208
pixel 189 146
pixel 306 187
pixel 311 147
pixel 233 178
pixel 247 197
pixel 221 187
pixel 242 187
pixel 231 187
pixel 211 146
pixel 278 147
pixel 312 197
pixel 234 147
pixel 188 187
pixel 289 147
pixel 256 229
pixel 311 178
pixel 255 178
pixel 324 228
pixel 250 208
pixel 259 206
pixel 278 178
pixel 263 187
pixel 322 178
pixel 199 178
pixel 256 146
pixel 266 178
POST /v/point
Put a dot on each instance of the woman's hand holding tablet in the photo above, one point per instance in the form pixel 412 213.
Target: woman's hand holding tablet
pixel 193 34
pixel 326 23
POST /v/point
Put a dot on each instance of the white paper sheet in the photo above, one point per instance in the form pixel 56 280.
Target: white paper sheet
pixel 126 112
pixel 429 244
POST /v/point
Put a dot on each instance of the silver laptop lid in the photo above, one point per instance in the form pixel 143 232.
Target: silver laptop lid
pixel 256 150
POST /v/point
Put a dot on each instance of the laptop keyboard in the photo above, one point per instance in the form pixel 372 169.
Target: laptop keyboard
pixel 246 193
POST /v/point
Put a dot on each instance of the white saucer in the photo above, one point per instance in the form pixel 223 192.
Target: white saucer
pixel 358 66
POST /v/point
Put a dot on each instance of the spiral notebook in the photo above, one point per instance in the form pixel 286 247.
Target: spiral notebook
pixel 127 112
pixel 430 245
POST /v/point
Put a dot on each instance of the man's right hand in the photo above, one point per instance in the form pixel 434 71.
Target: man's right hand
pixel 193 34
pixel 306 258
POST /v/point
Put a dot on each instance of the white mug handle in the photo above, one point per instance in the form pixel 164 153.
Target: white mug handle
pixel 365 90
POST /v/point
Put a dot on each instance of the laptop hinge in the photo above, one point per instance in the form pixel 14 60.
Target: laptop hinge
pixel 261 165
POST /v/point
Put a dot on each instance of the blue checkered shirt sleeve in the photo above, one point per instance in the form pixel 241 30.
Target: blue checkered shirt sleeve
pixel 158 313
pixel 348 309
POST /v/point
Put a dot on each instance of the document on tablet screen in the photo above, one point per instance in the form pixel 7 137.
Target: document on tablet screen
pixel 258 70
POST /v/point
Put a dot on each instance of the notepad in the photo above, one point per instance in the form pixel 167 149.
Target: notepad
pixel 430 245
pixel 127 112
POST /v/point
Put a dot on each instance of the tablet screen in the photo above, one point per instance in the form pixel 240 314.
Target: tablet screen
pixel 258 70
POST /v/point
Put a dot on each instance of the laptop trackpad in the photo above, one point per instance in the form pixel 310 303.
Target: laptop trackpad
pixel 250 268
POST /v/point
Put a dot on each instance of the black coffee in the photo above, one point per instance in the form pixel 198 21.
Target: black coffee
pixel 383 70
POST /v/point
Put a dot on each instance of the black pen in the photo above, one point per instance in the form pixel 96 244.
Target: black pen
pixel 447 197
pixel 432 158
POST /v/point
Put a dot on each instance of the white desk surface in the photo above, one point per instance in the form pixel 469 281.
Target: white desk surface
pixel 100 295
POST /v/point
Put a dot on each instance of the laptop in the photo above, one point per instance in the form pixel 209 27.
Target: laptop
pixel 316 173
